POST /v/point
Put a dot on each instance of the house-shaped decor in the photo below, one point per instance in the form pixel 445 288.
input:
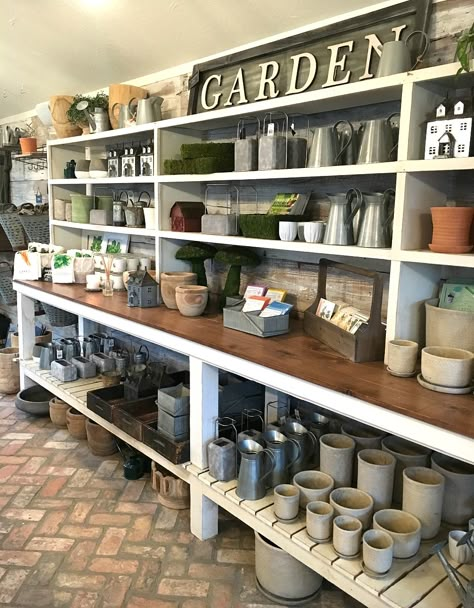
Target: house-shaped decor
pixel 185 216
pixel 142 290
pixel 446 145
pixel 450 134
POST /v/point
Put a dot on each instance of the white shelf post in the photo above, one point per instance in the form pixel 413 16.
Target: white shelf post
pixel 26 332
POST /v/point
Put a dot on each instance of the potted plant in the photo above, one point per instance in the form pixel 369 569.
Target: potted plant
pixel 28 140
pixel 465 49
pixel 78 117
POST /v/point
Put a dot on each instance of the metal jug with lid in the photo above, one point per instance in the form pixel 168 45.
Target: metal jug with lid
pixel 286 452
pixel 252 474
pixel 326 149
pixel 339 229
pixel 306 441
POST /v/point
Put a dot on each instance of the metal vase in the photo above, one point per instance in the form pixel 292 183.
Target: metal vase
pixel 373 229
pixel 252 475
pixel 377 143
pixel 326 149
pixel 339 229
pixel 306 441
pixel 285 451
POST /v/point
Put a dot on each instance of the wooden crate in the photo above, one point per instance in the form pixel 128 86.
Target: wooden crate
pixel 175 451
pixel 132 416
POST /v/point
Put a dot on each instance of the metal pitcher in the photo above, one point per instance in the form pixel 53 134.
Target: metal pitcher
pixel 285 451
pixel 396 58
pixel 145 110
pixel 373 226
pixel 141 356
pixel 326 150
pixel 252 475
pixel 125 115
pixel 47 355
pixel 377 143
pixel 339 229
pixel 306 441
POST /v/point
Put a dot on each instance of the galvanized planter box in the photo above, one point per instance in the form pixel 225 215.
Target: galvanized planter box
pixel 63 370
pixel 251 322
pixel 175 427
pixel 174 400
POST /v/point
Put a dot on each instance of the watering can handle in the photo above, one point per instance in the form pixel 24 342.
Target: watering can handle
pixel 298 453
pixel 360 200
pixel 387 194
pixel 425 48
pixel 140 197
pixel 337 160
pixel 314 441
pixel 272 458
pixel 133 112
pixel 395 147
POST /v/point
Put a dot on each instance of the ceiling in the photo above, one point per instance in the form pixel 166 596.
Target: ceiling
pixel 69 46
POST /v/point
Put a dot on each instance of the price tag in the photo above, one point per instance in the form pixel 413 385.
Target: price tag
pixel 271 128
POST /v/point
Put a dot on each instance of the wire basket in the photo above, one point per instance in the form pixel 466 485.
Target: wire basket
pixel 58 317
pixel 36 227
pixel 6 284
pixel 13 228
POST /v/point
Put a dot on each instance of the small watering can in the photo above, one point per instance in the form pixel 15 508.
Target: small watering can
pixel 252 475
pixel 134 215
pixel 377 143
pixel 146 110
pixel 326 149
pixel 98 121
pixel 396 58
pixel 125 115
pixel 141 356
pixel 118 209
pixel 339 229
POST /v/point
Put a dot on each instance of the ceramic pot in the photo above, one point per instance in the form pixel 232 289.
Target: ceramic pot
pixel 364 438
pixel 402 356
pixel 314 232
pixel 319 517
pixel 423 493
pixel 287 501
pixel 76 424
pixel 28 145
pixel 101 442
pixel 280 576
pixel 287 230
pixel 407 455
pixel 336 453
pixel 377 551
pixel 313 485
pixel 446 327
pixel 356 503
pixel 168 283
pixel 149 213
pixel 404 528
pixel 59 105
pixel 191 299
pixel 81 207
pixel 57 412
pixel 375 476
pixel 59 209
pixel 447 366
pixel 461 554
pixel 346 535
pixel 452 229
pixel 458 503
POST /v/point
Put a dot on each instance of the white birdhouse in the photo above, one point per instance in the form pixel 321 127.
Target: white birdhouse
pixel 450 134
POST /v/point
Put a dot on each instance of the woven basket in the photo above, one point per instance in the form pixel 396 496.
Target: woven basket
pixel 9 371
pixel 6 285
pixel 58 317
pixel 14 230
pixel 36 227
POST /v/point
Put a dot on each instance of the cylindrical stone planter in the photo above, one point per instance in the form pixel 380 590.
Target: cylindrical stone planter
pixel 407 455
pixel 282 578
pixel 313 485
pixel 101 442
pixel 377 551
pixel 319 516
pixel 423 493
pixel 375 476
pixel 404 528
pixel 346 535
pixel 458 503
pixel 356 503
pixel 364 438
pixel 336 453
pixel 58 411
pixel 76 424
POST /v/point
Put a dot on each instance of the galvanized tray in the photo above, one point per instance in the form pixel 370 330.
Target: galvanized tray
pixel 251 322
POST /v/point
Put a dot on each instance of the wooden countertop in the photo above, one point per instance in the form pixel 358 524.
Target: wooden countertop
pixel 296 354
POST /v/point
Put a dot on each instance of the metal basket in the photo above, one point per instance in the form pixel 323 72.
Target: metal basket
pixel 14 230
pixel 58 317
pixel 36 227
pixel 6 285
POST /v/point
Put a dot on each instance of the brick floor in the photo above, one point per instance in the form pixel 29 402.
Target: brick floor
pixel 75 533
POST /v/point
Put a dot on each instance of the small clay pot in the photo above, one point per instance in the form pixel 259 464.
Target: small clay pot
pixel 287 501
pixel 356 503
pixel 319 516
pixel 423 493
pixel 313 485
pixel 377 550
pixel 461 554
pixel 168 283
pixel 336 453
pixel 346 535
pixel 101 442
pixel 404 528
pixel 28 145
pixel 447 366
pixel 76 424
pixel 57 412
pixel 402 356
pixel 375 476
pixel 191 299
pixel 452 229
pixel 458 503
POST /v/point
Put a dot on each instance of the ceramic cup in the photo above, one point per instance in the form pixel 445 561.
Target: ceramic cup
pixel 462 554
pixel 377 551
pixel 314 232
pixel 287 501
pixel 117 282
pixel 92 281
pixel 319 516
pixel 287 230
pixel 313 485
pixel 402 356
pixel 119 265
pixel 132 264
pixel 145 263
pixel 346 535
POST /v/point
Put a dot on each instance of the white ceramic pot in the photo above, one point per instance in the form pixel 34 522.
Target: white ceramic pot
pixel 313 485
pixel 407 454
pixel 356 503
pixel 145 263
pixel 377 551
pixel 119 265
pixel 319 516
pixel 92 281
pixel 149 213
pixel 404 528
pixel 314 232
pixel 423 493
pixel 447 366
pixel 287 230
pixel 375 476
pixel 402 356
pixel 462 554
pixel 336 453
pixel 287 501
pixel 346 535
pixel 132 264
pixel 117 282
pixel 301 226
pixel 458 503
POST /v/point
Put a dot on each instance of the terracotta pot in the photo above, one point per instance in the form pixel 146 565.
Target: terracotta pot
pixel 404 528
pixel 59 105
pixel 173 493
pixel 101 442
pixel 375 476
pixel 336 453
pixel 423 493
pixel 446 327
pixel 452 229
pixel 191 299
pixel 168 283
pixel 76 424
pixel 349 501
pixel 28 145
pixel 57 412
pixel 458 503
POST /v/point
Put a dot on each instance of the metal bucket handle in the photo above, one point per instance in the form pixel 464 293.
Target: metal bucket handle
pixel 360 201
pixel 248 118
pixel 285 123
pixel 389 123
pixel 424 49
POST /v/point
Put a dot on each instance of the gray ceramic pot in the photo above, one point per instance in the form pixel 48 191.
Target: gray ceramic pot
pixel 458 503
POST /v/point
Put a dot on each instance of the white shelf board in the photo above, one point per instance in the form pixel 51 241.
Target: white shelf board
pixel 106 180
pixel 438 164
pixel 306 173
pixel 464 260
pixel 93 138
pixel 300 246
pixel 100 228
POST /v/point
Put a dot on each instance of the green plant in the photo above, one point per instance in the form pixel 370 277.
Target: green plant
pixel 465 49
pixel 77 117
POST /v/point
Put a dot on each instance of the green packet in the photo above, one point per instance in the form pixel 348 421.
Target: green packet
pixel 457 294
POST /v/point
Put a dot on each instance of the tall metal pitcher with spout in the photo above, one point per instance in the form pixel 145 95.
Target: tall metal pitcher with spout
pixel 377 143
pixel 252 475
pixel 326 149
pixel 373 230
pixel 147 110
pixel 339 229
pixel 286 452
pixel 305 440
